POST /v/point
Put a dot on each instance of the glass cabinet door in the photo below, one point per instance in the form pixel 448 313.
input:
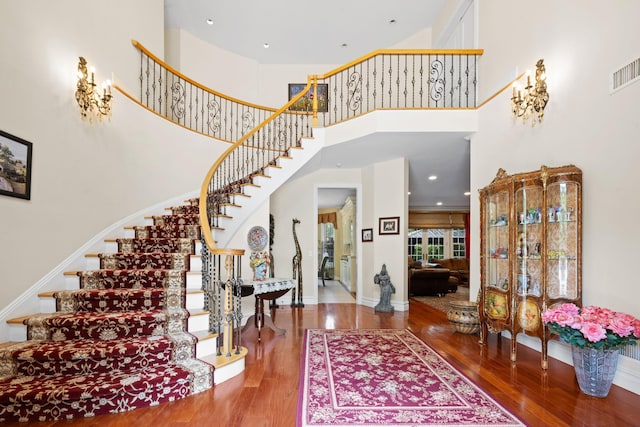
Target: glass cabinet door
pixel 528 266
pixel 496 258
pixel 562 240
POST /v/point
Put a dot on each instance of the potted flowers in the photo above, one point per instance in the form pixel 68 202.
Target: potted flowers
pixel 596 336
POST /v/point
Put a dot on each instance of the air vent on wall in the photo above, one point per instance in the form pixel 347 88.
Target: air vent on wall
pixel 624 76
pixel 632 351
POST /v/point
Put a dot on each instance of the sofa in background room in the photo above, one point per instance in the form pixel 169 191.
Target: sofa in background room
pixel 459 268
pixel 431 281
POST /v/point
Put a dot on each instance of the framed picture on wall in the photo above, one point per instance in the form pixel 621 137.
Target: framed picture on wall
pixel 15 166
pixel 389 225
pixel 306 102
pixel 367 234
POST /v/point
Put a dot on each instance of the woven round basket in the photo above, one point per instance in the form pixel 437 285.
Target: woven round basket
pixel 464 316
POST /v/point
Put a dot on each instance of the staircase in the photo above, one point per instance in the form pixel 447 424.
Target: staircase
pixel 124 335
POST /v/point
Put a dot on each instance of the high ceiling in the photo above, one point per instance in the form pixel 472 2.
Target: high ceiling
pixel 335 32
pixel 302 31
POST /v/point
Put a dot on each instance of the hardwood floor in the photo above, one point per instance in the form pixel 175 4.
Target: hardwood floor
pixel 266 393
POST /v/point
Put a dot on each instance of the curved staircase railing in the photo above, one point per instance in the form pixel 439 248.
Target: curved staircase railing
pixel 181 100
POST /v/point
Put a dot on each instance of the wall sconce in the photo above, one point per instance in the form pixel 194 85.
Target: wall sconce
pixel 531 100
pixel 89 99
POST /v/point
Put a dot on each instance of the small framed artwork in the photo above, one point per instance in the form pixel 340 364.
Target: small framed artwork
pixel 306 102
pixel 389 225
pixel 367 234
pixel 15 166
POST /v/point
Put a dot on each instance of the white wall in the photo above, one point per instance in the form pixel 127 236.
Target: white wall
pixel 245 79
pixel 583 125
pixel 383 194
pixel 387 185
pixel 419 40
pixel 295 199
pixel 85 177
pixel 225 72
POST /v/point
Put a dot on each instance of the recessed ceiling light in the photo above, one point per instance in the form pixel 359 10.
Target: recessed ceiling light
pixel 344 45
pixel 439 203
pixel 393 21
pixel 432 177
pixel 467 193
pixel 338 165
pixel 210 21
pixel 266 45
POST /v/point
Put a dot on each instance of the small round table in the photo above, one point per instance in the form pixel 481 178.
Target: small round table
pixel 269 290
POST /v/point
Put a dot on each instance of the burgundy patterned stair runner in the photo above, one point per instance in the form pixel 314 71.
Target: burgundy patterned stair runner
pixel 118 343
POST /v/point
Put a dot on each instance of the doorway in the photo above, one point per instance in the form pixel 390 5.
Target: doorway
pixel 337 248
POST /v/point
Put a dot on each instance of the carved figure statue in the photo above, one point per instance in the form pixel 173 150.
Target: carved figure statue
pixel 297 268
pixel 386 289
pixel 272 230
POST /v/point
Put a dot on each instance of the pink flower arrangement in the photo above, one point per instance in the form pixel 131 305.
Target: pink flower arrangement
pixel 591 326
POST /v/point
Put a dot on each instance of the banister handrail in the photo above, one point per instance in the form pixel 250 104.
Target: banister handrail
pixel 374 53
pixel 203 205
pixel 195 83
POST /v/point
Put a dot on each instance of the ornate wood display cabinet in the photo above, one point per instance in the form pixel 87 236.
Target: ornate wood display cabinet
pixel 531 250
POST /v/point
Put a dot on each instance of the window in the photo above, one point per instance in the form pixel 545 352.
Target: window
pixel 441 243
pixel 435 243
pixel 415 244
pixel 457 239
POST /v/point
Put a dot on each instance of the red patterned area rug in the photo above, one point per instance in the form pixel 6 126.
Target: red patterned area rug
pixel 387 377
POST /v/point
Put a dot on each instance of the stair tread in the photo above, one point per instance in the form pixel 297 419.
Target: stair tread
pixel 7 344
pixel 203 335
pixel 77 387
pixel 115 239
pixel 198 312
pixel 109 314
pixel 79 349
pixel 220 361
pixel 20 320
pixel 52 294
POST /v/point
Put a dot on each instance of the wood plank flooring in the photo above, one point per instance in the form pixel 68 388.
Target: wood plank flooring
pixel 266 393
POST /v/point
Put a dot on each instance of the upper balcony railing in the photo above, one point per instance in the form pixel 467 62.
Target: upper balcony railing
pixel 401 79
pixel 384 79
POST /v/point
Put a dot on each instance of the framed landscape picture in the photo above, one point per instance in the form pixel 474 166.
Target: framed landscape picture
pixel 306 102
pixel 389 225
pixel 15 166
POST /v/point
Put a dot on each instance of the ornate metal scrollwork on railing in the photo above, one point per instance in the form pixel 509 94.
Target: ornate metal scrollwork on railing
pixel 436 80
pixel 213 113
pixel 181 100
pixel 355 91
pixel 177 100
pixel 403 79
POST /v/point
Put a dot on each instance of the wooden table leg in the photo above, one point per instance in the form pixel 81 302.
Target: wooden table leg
pixel 259 318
